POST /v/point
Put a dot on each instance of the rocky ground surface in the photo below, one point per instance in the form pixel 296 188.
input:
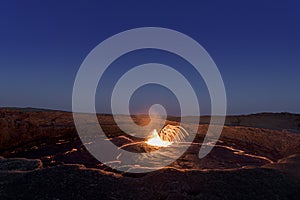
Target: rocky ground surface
pixel 78 182
pixel 43 158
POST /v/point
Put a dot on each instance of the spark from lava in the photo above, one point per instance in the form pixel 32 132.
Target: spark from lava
pixel 168 135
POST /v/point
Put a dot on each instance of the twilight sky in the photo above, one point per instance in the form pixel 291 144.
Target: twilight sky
pixel 255 44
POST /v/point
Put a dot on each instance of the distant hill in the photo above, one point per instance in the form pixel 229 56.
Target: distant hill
pixel 30 109
pixel 283 121
pixel 277 121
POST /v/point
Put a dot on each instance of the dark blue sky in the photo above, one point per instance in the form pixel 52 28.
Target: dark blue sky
pixel 255 44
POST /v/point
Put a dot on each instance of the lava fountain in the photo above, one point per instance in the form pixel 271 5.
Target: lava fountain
pixel 155 140
pixel 168 135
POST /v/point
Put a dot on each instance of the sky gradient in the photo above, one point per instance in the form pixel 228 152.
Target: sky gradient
pixel 255 44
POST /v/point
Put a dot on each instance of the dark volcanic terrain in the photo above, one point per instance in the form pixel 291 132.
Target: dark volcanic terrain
pixel 256 157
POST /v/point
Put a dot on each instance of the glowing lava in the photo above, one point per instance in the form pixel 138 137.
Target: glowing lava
pixel 167 136
pixel 155 140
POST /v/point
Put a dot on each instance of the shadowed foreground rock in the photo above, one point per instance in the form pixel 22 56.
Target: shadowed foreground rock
pixel 289 165
pixel 78 182
pixel 19 164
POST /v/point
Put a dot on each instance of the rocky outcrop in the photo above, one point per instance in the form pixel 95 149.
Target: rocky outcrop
pixel 19 127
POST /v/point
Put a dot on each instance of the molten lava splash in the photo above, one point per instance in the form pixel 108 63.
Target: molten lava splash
pixel 167 136
pixel 173 133
pixel 155 140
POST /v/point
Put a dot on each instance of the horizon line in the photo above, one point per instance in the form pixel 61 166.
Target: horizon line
pixel 44 109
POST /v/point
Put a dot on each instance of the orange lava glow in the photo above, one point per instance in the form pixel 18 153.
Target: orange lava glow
pixel 155 140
